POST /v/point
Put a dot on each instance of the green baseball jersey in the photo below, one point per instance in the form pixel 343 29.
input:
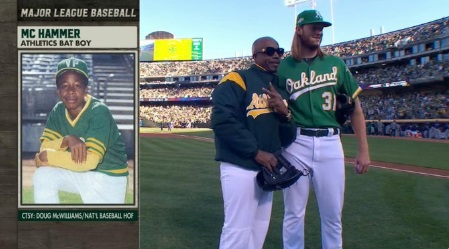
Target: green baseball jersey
pixel 313 88
pixel 96 126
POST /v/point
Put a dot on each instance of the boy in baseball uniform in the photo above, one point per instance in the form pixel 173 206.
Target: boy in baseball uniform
pixel 82 150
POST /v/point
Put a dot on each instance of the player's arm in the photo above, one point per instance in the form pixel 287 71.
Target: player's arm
pixel 63 159
pixel 51 139
pixel 53 150
pixel 357 121
pixel 78 150
pixel 227 118
pixel 75 144
pixel 85 155
pixel 359 127
pixel 52 145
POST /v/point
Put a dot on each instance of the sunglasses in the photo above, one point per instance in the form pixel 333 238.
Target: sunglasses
pixel 270 51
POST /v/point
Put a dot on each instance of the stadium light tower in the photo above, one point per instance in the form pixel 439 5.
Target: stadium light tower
pixel 293 3
pixel 332 20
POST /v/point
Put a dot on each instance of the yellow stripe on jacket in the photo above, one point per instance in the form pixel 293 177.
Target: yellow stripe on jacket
pixel 235 77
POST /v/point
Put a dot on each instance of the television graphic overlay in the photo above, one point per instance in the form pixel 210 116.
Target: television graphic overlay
pixel 112 80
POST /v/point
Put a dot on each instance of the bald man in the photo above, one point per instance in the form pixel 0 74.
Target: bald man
pixel 248 118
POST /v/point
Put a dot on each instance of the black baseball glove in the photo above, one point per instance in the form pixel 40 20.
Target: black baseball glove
pixel 282 177
pixel 345 107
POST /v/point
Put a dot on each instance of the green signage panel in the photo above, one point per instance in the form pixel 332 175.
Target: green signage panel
pixel 197 49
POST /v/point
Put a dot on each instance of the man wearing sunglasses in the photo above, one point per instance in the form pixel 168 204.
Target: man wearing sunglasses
pixel 313 79
pixel 248 118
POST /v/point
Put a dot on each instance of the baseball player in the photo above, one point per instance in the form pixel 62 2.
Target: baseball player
pixel 312 80
pixel 82 150
pixel 247 133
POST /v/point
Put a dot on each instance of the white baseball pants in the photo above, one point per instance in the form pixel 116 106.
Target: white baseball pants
pixel 94 187
pixel 324 156
pixel 247 209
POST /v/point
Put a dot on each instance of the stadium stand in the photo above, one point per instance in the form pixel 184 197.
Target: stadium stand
pixel 404 74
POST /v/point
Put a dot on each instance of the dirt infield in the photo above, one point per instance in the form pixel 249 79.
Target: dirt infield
pixel 376 164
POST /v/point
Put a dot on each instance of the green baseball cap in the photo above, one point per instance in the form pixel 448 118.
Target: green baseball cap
pixel 311 17
pixel 72 64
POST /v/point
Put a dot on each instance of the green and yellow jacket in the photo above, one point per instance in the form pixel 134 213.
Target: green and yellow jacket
pixel 242 121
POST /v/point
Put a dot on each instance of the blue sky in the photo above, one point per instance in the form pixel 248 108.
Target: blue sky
pixel 229 27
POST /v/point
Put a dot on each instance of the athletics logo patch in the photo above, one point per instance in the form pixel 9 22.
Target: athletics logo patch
pixel 258 106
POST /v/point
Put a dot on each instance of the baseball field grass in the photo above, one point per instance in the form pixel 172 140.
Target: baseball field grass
pixel 181 203
pixel 65 197
pixel 27 196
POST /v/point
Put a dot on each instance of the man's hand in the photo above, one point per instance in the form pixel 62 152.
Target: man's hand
pixel 41 159
pixel 275 100
pixel 77 147
pixel 266 159
pixel 361 163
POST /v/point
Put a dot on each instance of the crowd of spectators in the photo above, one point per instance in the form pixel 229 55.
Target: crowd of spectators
pixel 433 130
pixel 390 73
pixel 180 115
pixel 400 72
pixel 379 75
pixel 397 38
pixel 361 46
pixel 190 116
pixel 365 76
pixel 424 104
pixel 177 92
pixel 400 106
pixel 187 68
pixel 411 105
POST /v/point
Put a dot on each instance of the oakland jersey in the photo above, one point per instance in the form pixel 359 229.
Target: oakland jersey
pixel 313 87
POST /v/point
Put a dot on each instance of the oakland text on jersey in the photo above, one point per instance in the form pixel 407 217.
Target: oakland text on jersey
pixel 258 105
pixel 320 80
